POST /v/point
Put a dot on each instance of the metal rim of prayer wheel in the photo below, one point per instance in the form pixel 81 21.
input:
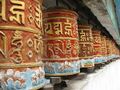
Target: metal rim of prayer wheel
pixel 61 42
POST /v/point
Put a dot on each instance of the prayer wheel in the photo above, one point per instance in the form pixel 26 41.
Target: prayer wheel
pixel 117 51
pixel 108 46
pixel 97 51
pixel 113 49
pixel 103 48
pixel 103 45
pixel 21 45
pixel 109 50
pixel 85 45
pixel 60 42
pixel 96 42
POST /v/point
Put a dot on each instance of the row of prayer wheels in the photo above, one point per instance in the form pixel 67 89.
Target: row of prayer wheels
pixel 69 46
pixel 32 46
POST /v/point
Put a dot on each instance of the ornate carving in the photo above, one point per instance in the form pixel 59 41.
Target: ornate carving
pixel 38 43
pixel 17 43
pixel 48 28
pixel 68 28
pixel 38 16
pixel 21 80
pixel 30 18
pixel 85 42
pixel 30 43
pixel 65 65
pixel 18 11
pixel 56 28
pixel 84 35
pixel 30 54
pixel 68 48
pixel 3 44
pixel 60 68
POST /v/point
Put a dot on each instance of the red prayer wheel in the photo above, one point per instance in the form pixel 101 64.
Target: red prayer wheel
pixel 86 46
pixel 113 47
pixel 85 42
pixel 60 42
pixel 103 45
pixel 96 42
pixel 109 49
pixel 108 46
pixel 21 45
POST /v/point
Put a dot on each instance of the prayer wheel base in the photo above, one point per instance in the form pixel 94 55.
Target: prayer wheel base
pixel 62 68
pixel 23 79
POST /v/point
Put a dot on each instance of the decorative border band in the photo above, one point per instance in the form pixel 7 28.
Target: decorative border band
pixel 19 28
pixel 67 59
pixel 46 18
pixel 60 38
pixel 24 65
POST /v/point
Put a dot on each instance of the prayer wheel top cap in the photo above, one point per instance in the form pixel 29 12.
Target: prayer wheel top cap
pixel 59 9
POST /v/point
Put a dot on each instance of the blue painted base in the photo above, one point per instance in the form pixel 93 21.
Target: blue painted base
pixel 62 68
pixel 99 60
pixel 25 79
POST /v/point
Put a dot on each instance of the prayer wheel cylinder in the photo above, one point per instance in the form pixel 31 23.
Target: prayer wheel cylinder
pixel 85 46
pixel 113 47
pixel 85 42
pixel 96 42
pixel 108 46
pixel 109 50
pixel 97 45
pixel 103 45
pixel 60 42
pixel 21 45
